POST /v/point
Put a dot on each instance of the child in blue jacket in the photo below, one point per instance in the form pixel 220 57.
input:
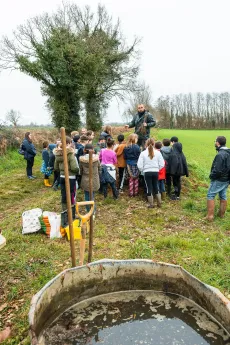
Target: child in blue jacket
pixel 45 168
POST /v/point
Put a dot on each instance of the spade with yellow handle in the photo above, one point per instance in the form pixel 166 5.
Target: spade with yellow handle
pixel 84 219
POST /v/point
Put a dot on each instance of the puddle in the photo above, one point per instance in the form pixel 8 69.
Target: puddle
pixel 133 318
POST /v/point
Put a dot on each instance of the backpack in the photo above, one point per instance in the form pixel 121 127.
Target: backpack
pixel 21 151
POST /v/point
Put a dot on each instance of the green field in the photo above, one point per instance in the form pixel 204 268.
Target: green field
pixel 124 229
pixel 198 145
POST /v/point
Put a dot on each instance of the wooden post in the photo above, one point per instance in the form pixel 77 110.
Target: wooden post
pixel 68 198
pixel 91 198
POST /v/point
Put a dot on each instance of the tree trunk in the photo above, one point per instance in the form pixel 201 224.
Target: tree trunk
pixel 93 115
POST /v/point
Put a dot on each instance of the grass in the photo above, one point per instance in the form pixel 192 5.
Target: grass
pixel 10 162
pixel 124 229
pixel 198 146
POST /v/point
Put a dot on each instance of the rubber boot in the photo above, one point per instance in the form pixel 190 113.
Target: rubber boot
pixel 222 209
pixel 150 201
pixel 210 209
pixel 46 182
pixel 158 197
pixel 163 195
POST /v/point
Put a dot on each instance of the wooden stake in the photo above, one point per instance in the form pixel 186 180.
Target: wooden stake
pixel 91 198
pixel 68 198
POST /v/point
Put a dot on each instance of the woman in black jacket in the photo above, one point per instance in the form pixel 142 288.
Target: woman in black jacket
pixel 29 154
pixel 177 167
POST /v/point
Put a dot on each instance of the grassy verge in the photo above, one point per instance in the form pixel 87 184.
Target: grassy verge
pixel 124 228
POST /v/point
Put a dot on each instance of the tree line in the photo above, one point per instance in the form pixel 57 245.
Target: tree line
pixel 82 61
pixel 198 111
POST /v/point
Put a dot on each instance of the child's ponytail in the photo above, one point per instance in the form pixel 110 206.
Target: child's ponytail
pixel 150 147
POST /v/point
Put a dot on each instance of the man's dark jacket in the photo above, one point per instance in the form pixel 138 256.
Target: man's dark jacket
pixel 220 169
pixel 137 122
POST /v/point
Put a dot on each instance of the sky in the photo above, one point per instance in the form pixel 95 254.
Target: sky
pixel 185 48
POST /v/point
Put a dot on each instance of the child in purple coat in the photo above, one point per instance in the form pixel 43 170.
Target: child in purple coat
pixel 108 159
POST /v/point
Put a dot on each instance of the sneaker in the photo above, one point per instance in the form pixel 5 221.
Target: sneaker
pixel 30 177
pixel 121 191
pixel 173 197
pixel 33 176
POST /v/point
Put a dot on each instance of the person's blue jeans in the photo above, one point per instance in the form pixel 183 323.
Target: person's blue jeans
pixel 114 189
pixel 87 198
pixel 218 187
pixel 30 163
pixel 161 186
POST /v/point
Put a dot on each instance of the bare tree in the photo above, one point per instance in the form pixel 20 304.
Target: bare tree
pixel 13 117
pixel 142 95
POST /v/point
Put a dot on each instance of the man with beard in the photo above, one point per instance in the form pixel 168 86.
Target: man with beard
pixel 220 173
pixel 142 122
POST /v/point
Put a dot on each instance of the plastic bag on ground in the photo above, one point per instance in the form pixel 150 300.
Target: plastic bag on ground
pixel 2 241
pixel 30 221
pixel 55 224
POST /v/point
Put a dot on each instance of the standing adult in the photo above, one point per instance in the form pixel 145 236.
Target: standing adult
pixel 29 154
pixel 107 133
pixel 142 122
pixel 220 174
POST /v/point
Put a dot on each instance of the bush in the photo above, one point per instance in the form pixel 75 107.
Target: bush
pixel 11 138
pixel 8 139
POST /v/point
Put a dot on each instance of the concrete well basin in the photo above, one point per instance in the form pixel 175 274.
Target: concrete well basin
pixel 106 276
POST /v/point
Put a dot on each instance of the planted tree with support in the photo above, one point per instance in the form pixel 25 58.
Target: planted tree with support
pixel 79 57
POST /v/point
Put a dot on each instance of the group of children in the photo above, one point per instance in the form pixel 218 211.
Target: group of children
pixel 78 147
pixel 116 164
pixel 160 163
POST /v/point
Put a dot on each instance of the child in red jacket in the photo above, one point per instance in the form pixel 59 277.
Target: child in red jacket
pixel 162 174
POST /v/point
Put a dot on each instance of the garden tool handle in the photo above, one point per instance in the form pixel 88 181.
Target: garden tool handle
pixel 82 244
pixel 82 252
pixel 85 217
